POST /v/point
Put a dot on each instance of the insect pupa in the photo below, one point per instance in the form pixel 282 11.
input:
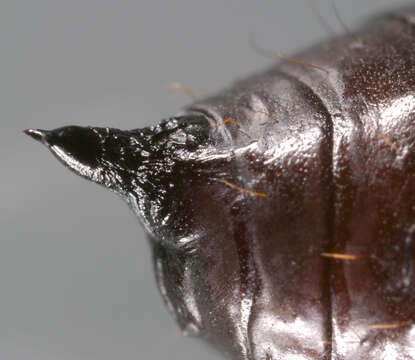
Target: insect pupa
pixel 290 233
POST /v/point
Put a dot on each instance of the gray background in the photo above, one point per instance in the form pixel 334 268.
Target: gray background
pixel 76 280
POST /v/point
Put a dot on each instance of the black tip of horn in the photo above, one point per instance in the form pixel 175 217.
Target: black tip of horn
pixel 37 134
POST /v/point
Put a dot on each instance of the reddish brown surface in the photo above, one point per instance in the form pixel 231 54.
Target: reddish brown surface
pixel 288 232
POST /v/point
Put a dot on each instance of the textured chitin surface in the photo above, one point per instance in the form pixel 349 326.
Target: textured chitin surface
pixel 281 212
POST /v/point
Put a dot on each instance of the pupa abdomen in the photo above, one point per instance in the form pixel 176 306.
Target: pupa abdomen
pixel 281 212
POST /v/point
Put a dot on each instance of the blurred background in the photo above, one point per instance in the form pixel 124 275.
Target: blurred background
pixel 76 279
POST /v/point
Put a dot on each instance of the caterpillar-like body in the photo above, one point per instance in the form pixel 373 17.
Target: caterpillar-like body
pixel 281 212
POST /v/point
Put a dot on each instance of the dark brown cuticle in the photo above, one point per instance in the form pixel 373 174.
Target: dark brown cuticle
pixel 280 212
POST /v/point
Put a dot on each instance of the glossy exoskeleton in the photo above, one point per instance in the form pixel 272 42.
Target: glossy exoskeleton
pixel 281 212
